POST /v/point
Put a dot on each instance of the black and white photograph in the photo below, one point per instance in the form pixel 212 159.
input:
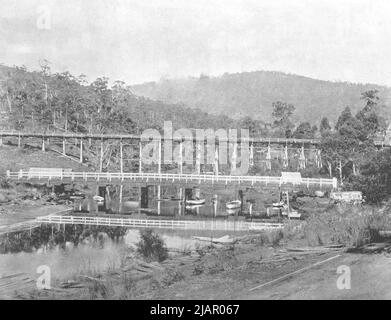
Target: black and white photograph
pixel 176 151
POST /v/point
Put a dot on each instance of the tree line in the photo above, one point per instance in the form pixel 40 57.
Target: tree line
pixel 46 101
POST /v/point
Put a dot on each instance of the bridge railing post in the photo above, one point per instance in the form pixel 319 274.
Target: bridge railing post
pixel 335 183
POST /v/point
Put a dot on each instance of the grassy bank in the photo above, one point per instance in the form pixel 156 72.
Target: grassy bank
pixel 346 225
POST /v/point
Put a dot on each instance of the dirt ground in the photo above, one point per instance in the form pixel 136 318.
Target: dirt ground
pixel 27 211
pixel 14 159
pixel 370 279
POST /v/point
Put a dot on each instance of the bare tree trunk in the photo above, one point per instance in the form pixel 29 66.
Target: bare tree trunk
pixel 66 120
pixel 9 103
pixel 340 171
pixel 330 169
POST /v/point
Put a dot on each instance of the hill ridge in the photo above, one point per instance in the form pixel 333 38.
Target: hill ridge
pixel 254 92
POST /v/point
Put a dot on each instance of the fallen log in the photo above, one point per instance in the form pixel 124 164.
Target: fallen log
pixel 370 248
pixel 286 276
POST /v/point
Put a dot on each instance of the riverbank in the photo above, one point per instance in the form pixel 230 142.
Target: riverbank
pixel 27 211
pixel 20 212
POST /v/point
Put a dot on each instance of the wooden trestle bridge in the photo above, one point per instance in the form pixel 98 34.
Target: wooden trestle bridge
pixel 120 176
pixel 123 152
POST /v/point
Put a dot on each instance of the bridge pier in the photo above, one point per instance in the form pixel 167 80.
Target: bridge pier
pixel 140 167
pixel 180 160
pixel 144 197
pixel 285 161
pixel 121 190
pixel 158 198
pixel 102 192
pixel 215 204
pixel 64 147
pixel 251 161
pixel 198 158
pixel 180 202
pixel 241 198
pixel 188 193
pixel 197 192
pixel 269 158
pixel 318 157
pixel 101 157
pixel 250 209
pixel 192 193
pixel 81 150
pixel 121 154
pixel 302 159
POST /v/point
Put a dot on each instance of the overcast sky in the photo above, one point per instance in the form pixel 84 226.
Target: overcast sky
pixel 145 40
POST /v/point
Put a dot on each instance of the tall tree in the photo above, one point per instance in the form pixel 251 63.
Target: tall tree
pixel 369 116
pixel 346 115
pixel 304 131
pixel 282 114
pixel 252 125
pixel 324 125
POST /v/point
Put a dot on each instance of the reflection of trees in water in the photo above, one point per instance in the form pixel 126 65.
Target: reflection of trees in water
pixel 50 236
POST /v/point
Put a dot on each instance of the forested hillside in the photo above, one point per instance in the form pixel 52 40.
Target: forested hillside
pixel 252 94
pixel 41 100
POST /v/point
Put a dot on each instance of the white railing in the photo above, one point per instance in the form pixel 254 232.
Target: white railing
pixel 162 224
pixel 166 177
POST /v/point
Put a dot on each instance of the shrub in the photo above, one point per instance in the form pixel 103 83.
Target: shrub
pixel 151 246
pixel 274 237
pixel 218 261
pixel 97 290
pixel 352 226
pixel 128 287
pixel 171 276
pixel 5 184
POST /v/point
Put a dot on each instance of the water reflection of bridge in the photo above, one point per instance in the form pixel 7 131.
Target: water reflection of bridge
pixel 222 225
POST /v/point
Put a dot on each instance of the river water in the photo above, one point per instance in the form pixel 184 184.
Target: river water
pixel 172 202
pixel 74 249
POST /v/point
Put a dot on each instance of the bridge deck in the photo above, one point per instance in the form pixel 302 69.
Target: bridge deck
pixel 378 141
pixel 166 178
pixel 138 137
